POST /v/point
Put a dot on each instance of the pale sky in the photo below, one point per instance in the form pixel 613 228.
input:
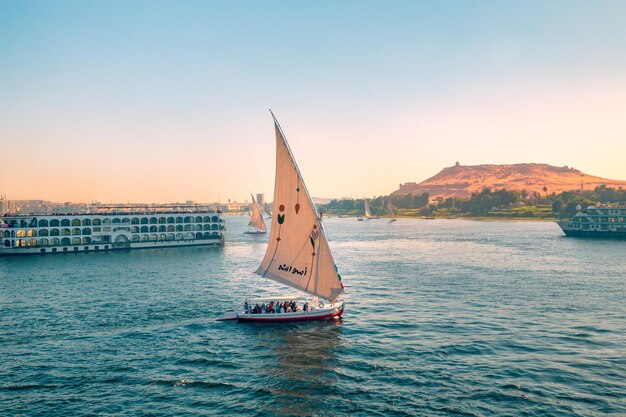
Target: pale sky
pixel 149 101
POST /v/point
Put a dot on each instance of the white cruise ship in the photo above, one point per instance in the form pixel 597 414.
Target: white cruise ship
pixel 110 228
pixel 597 221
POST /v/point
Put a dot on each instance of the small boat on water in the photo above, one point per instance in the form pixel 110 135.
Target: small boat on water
pixel 297 254
pixel 256 223
pixel 267 210
pixel 390 212
pixel 368 212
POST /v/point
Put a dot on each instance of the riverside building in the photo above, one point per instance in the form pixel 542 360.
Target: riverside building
pixel 106 228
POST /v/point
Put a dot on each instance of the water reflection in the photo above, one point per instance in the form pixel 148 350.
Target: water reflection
pixel 301 377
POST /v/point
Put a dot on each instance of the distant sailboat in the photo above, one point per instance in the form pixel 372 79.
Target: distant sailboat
pixel 297 254
pixel 267 210
pixel 256 220
pixel 368 212
pixel 390 212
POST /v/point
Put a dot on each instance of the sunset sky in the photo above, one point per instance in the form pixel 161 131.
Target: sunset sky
pixel 149 101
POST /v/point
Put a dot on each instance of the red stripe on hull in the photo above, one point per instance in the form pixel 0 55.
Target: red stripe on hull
pixel 283 319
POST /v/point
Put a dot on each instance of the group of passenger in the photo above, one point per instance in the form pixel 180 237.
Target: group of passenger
pixel 276 307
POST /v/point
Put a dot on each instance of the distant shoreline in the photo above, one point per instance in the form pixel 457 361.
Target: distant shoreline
pixel 475 218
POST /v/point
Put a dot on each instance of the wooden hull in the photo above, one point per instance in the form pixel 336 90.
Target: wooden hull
pixel 324 314
pixel 281 318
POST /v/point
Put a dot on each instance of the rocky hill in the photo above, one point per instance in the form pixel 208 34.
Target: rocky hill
pixel 461 181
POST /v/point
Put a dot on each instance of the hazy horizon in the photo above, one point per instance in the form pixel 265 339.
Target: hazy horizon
pixel 159 101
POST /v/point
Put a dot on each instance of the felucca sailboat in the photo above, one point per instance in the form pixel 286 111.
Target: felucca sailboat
pixel 368 212
pixel 297 254
pixel 256 220
pixel 390 212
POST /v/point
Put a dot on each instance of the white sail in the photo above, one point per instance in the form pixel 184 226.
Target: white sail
pixel 297 253
pixel 368 213
pixel 256 218
pixel 390 208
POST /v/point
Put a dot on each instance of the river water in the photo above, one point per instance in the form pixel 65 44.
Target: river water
pixel 445 317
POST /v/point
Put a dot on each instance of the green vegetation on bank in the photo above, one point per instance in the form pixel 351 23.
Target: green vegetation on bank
pixel 487 203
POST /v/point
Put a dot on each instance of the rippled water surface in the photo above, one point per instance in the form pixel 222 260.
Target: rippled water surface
pixel 445 317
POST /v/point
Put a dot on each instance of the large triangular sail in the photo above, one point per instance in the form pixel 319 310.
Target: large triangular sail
pixel 368 213
pixel 256 218
pixel 297 253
